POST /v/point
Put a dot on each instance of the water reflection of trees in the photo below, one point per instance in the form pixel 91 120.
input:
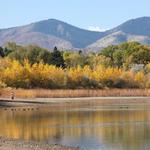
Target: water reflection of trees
pixel 130 128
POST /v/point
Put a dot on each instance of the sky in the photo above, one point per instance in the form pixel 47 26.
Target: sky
pixel 88 14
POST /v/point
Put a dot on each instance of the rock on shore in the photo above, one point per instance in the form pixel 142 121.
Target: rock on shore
pixel 9 144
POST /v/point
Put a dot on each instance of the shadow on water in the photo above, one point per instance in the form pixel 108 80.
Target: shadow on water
pixel 4 104
pixel 19 101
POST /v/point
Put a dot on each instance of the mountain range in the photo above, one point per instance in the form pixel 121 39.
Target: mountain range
pixel 50 33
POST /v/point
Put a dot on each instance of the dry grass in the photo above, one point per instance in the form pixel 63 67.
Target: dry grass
pixel 43 93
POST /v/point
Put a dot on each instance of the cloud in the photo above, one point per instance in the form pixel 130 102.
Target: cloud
pixel 96 28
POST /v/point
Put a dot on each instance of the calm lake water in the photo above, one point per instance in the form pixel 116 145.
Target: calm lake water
pixel 90 129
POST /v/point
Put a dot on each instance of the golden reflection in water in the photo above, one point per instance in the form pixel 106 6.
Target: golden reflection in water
pixel 129 128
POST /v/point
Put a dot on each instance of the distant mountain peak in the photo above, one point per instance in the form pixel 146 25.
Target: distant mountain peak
pixel 52 32
pixel 138 26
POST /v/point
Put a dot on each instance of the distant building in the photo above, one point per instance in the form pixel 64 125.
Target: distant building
pixel 137 67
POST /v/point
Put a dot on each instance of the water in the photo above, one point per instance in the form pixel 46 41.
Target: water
pixel 90 129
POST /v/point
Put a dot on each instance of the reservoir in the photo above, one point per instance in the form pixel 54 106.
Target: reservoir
pixel 90 128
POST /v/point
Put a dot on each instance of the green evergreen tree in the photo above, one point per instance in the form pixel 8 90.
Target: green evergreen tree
pixel 57 58
pixel 2 52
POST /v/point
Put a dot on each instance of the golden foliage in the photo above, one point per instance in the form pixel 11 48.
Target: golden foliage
pixel 15 74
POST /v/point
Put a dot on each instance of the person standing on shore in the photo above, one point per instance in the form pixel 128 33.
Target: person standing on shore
pixel 12 95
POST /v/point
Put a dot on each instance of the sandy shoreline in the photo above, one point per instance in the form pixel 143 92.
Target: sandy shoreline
pixel 10 144
pixel 76 102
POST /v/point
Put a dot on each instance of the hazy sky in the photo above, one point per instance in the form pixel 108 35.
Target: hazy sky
pixel 99 14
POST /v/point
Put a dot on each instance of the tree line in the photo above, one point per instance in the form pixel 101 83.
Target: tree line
pixel 121 66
